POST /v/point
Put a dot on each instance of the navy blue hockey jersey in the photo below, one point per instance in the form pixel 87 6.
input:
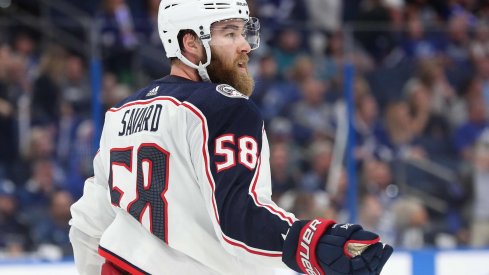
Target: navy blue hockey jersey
pixel 184 168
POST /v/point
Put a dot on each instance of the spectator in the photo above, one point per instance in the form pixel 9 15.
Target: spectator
pixel 479 47
pixel 24 46
pixel 324 15
pixel 274 94
pixel 370 212
pixel 330 66
pixel 287 49
pixel 19 82
pixel 286 162
pixel 441 94
pixel 81 159
pixel 313 117
pixel 266 77
pixel 38 190
pixel 18 94
pixel 377 180
pixel 480 180
pixel 46 92
pixel 15 233
pixel 51 234
pixel 457 50
pixel 320 155
pixel 483 72
pixel 365 125
pixel 152 67
pixel 471 89
pixel 411 222
pixel 416 43
pixel 397 138
pixel 277 13
pixel 374 216
pixel 395 8
pixel 40 144
pixel 66 135
pixel 284 173
pixel 302 69
pixel 308 205
pixel 112 90
pixel 378 41
pixel 432 127
pixel 431 12
pixel 7 115
pixel 75 87
pixel 467 133
pixel 119 38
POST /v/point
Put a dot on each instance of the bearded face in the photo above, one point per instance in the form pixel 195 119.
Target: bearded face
pixel 232 72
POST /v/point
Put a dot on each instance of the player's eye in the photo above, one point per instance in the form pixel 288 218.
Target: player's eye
pixel 231 35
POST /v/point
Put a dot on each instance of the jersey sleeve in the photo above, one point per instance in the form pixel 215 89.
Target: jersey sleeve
pixel 231 158
pixel 91 215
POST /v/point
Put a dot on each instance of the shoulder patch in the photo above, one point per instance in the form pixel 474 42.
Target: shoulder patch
pixel 229 91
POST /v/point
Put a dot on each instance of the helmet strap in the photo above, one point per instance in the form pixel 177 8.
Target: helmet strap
pixel 201 68
pixel 203 73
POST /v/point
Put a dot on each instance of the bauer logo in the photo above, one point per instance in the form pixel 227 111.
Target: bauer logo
pixel 229 91
pixel 244 4
pixel 305 254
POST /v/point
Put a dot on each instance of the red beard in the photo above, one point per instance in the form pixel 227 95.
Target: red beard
pixel 222 72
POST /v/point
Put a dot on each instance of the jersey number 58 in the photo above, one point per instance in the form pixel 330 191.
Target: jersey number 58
pixel 146 203
pixel 247 148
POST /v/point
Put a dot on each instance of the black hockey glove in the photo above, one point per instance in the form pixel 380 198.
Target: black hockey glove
pixel 322 247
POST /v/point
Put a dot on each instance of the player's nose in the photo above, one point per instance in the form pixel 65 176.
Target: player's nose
pixel 244 46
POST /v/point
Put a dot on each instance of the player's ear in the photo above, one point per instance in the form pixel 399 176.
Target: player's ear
pixel 192 46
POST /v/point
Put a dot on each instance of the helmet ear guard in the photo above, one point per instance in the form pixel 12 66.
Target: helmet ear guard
pixel 198 16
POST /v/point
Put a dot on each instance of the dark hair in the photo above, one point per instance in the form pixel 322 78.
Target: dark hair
pixel 180 36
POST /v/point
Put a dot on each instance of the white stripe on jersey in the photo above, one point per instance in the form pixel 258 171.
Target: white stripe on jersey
pixel 283 216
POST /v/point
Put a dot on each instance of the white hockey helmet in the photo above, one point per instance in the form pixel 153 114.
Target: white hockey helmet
pixel 198 15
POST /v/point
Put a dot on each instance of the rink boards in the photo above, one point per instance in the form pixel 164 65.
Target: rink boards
pixel 422 262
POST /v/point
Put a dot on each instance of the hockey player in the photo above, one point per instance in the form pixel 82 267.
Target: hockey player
pixel 182 178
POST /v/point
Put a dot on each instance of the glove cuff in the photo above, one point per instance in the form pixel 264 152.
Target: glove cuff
pixel 306 249
pixel 300 245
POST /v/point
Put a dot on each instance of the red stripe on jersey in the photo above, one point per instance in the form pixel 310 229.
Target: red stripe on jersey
pixel 144 102
pixel 120 262
pixel 250 249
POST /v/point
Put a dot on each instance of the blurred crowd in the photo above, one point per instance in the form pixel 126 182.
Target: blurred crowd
pixel 420 96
